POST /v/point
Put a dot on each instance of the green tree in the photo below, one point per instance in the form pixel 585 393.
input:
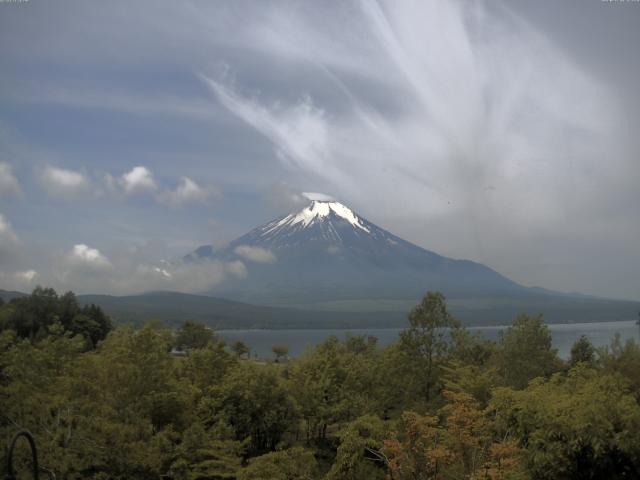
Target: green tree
pixel 280 351
pixel 253 400
pixel 623 359
pixel 206 454
pixel 526 351
pixel 193 335
pixel 359 453
pixel 292 464
pixel 240 349
pixel 580 425
pixel 425 345
pixel 582 351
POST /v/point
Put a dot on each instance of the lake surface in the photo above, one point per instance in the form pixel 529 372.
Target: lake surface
pixel 564 335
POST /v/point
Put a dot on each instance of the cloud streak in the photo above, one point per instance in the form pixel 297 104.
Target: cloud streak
pixel 9 185
pixel 487 131
pixel 255 254
pixel 62 182
pixel 138 180
pixel 187 192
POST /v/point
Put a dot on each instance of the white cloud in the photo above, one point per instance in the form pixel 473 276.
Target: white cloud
pixel 127 276
pixel 84 255
pixel 21 281
pixel 453 123
pixel 237 269
pixel 255 254
pixel 62 182
pixel 7 236
pixel 138 180
pixel 8 182
pixel 187 192
pixel 323 197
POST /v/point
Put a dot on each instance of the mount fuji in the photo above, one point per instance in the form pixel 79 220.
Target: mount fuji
pixel 327 260
pixel 327 253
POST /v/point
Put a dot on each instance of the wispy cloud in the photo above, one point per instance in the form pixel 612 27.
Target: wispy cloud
pixel 187 192
pixel 255 254
pixel 22 281
pixel 84 255
pixel 9 185
pixel 138 180
pixel 10 244
pixel 62 182
pixel 7 235
pixel 451 113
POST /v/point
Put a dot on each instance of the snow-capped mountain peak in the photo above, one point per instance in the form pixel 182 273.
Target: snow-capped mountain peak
pixel 317 211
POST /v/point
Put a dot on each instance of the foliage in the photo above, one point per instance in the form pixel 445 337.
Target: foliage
pixel 582 351
pixel 293 464
pixel 526 351
pixel 280 351
pixel 439 403
pixel 240 349
pixel 358 455
pixel 192 335
pixel 35 315
pixel 425 346
pixel 580 425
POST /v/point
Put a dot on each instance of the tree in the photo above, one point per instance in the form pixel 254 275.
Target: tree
pixel 582 424
pixel 359 454
pixel 280 351
pixel 253 400
pixel 33 316
pixel 292 464
pixel 206 454
pixel 623 360
pixel 416 450
pixel 582 351
pixel 193 335
pixel 240 348
pixel 526 351
pixel 425 345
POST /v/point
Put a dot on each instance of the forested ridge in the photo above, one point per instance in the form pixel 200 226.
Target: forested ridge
pixel 439 403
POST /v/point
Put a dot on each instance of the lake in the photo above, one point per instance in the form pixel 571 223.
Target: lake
pixel 261 341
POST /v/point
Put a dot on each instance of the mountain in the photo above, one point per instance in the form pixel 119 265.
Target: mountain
pixel 327 257
pixel 172 308
pixel 7 295
pixel 326 252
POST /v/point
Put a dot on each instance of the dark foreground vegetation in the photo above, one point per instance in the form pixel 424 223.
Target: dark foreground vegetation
pixel 440 403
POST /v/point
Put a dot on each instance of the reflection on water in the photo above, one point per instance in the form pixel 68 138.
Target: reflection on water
pixel 261 341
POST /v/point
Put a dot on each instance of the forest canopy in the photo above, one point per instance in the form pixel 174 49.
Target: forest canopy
pixel 439 403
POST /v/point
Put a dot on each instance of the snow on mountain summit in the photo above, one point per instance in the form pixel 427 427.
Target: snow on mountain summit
pixel 317 211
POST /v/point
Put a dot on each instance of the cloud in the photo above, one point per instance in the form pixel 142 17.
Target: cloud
pixel 12 250
pixel 62 182
pixel 22 281
pixel 454 123
pixel 284 198
pixel 9 185
pixel 187 192
pixel 323 197
pixel 7 236
pixel 83 255
pixel 237 268
pixel 126 275
pixel 138 180
pixel 255 254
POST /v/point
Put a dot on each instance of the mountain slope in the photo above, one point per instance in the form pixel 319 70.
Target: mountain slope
pixel 172 308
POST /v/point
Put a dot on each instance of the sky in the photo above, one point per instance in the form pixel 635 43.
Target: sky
pixel 501 132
